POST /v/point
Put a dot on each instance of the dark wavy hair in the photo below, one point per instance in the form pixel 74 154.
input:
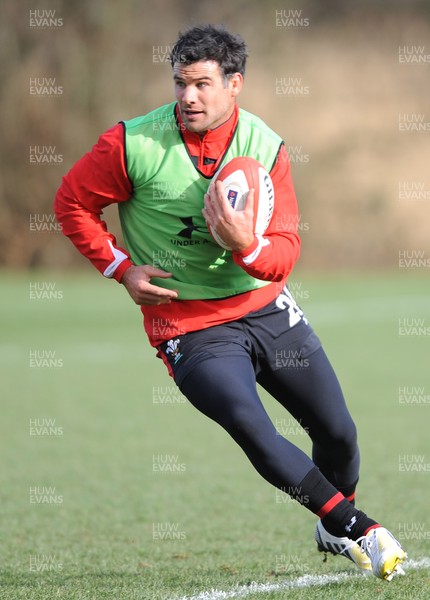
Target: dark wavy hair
pixel 211 42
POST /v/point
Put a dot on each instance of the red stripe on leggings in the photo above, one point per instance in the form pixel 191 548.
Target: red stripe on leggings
pixel 330 504
pixel 372 527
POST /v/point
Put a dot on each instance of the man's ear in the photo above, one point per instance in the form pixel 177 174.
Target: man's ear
pixel 236 83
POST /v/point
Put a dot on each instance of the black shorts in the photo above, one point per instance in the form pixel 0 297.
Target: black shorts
pixel 274 337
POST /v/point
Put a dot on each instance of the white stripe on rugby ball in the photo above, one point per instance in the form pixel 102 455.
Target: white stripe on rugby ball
pixel 239 175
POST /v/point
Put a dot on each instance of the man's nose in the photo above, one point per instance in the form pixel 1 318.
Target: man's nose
pixel 189 95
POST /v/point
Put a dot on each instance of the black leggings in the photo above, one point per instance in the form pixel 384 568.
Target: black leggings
pixel 224 389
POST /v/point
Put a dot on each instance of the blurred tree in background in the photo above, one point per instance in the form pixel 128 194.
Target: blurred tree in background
pixel 336 79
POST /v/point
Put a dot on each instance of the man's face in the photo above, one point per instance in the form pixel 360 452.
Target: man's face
pixel 205 100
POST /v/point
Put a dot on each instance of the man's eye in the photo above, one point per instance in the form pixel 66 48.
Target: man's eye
pixel 201 84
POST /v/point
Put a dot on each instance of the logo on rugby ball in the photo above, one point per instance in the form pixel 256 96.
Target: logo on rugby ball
pixel 232 197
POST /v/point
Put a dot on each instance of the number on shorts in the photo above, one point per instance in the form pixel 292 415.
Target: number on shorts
pixel 295 313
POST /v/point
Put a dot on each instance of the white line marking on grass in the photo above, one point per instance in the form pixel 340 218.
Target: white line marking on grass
pixel 422 563
pixel 241 591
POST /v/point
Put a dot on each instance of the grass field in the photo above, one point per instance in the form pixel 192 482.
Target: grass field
pixel 90 419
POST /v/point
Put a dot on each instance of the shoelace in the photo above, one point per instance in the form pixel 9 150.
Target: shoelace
pixel 351 545
pixel 365 543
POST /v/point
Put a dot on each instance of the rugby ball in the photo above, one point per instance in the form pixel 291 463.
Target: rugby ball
pixel 240 175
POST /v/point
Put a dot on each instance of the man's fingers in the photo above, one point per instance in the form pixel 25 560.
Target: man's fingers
pixel 152 294
pixel 222 202
pixel 155 272
pixel 207 202
pixel 150 299
pixel 219 188
pixel 137 281
pixel 155 290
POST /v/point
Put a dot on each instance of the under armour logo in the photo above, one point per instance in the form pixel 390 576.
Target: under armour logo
pixel 351 524
pixel 190 227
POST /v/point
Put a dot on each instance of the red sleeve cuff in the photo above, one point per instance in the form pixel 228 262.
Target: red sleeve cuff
pixel 249 250
pixel 121 269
